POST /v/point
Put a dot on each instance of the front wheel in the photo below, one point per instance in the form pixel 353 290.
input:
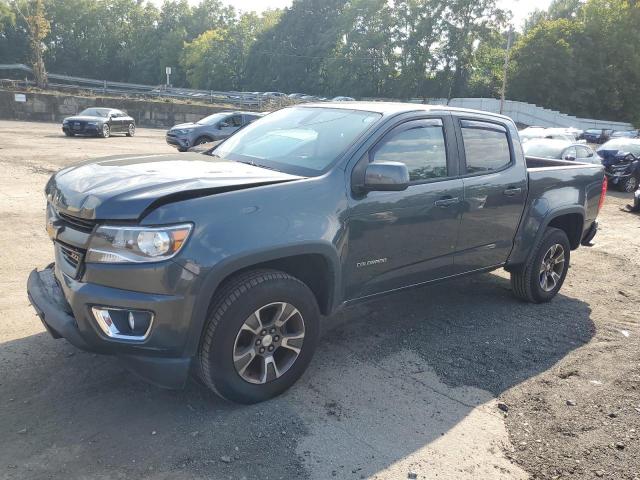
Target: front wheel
pixel 543 275
pixel 106 131
pixel 260 336
pixel 131 130
pixel 629 184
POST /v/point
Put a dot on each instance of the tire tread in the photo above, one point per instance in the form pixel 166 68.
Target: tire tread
pixel 231 292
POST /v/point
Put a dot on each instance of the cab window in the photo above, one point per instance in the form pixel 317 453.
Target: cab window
pixel 420 145
pixel 486 146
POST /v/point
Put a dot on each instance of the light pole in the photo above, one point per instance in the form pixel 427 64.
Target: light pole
pixel 506 68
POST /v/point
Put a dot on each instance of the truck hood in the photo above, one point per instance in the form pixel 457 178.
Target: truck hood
pixel 128 187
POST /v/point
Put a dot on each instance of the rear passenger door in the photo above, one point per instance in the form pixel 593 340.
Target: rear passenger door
pixel 494 193
pixel 396 239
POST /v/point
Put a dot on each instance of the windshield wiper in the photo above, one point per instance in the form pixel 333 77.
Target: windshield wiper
pixel 253 164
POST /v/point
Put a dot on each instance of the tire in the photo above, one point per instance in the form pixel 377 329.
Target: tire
pixel 68 134
pixel 131 130
pixel 182 149
pixel 106 131
pixel 629 184
pixel 201 140
pixel 232 333
pixel 527 283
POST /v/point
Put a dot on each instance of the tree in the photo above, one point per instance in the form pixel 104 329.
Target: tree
pixel 33 14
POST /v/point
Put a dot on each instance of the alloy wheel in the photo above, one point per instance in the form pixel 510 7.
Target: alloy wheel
pixel 106 131
pixel 268 343
pixel 632 183
pixel 132 129
pixel 552 267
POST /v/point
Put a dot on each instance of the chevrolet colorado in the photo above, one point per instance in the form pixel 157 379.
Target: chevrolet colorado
pixel 222 264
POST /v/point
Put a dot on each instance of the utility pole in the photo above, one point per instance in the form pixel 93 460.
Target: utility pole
pixel 167 70
pixel 506 68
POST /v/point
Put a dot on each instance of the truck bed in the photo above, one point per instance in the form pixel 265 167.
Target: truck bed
pixel 537 163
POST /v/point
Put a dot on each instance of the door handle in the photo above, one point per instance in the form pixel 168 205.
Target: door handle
pixel 512 191
pixel 445 202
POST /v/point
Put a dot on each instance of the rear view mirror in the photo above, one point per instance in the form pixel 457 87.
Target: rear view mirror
pixel 386 177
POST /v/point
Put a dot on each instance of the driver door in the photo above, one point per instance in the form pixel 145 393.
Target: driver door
pixel 398 239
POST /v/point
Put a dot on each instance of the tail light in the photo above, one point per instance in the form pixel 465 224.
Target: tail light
pixel 603 193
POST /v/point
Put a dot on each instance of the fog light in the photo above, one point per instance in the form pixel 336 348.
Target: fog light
pixel 122 323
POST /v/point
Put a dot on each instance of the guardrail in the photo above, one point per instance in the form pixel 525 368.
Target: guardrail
pixel 69 82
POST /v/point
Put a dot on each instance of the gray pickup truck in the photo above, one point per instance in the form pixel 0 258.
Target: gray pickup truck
pixel 222 264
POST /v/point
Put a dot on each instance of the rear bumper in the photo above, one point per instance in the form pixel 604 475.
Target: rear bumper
pixel 48 298
pixel 588 236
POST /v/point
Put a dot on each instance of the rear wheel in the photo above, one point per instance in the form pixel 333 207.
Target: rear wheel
pixel 131 130
pixel 106 131
pixel 260 336
pixel 543 275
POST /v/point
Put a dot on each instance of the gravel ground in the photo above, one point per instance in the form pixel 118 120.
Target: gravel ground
pixel 414 383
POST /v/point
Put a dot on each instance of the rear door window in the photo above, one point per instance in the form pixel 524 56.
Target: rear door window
pixel 486 146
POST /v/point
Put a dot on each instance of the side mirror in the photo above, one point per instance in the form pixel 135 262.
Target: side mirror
pixel 570 158
pixel 386 177
pixel 222 125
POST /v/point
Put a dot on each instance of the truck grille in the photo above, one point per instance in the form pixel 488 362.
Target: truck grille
pixel 81 224
pixel 72 255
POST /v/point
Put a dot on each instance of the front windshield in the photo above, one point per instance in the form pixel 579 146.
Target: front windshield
pixel 543 150
pixel 625 145
pixel 95 112
pixel 297 140
pixel 212 119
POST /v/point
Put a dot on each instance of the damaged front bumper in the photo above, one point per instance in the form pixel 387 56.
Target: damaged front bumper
pixel 64 309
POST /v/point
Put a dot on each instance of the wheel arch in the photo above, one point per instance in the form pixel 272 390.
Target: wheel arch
pixel 569 219
pixel 317 266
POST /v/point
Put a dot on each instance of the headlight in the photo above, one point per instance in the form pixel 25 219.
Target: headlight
pixel 183 131
pixel 93 124
pixel 112 244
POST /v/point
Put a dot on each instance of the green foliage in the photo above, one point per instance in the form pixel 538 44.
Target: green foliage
pixel 577 56
pixel 582 59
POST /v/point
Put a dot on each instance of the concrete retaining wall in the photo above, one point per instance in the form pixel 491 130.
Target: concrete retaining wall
pixel 47 107
pixel 529 114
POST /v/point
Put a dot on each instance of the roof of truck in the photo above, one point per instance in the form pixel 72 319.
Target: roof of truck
pixel 394 108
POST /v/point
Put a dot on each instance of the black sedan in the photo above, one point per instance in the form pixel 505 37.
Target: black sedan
pixel 99 122
pixel 596 135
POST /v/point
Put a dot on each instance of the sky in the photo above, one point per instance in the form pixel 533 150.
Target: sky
pixel 520 8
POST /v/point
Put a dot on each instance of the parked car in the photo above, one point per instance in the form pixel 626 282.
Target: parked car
pixel 551 133
pixel 597 135
pixel 99 122
pixel 343 99
pixel 621 160
pixel 626 134
pixel 209 129
pixel 274 94
pixel 560 150
pixel 296 95
pixel 225 264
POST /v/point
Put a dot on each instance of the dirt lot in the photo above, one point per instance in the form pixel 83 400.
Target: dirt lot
pixel 406 384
